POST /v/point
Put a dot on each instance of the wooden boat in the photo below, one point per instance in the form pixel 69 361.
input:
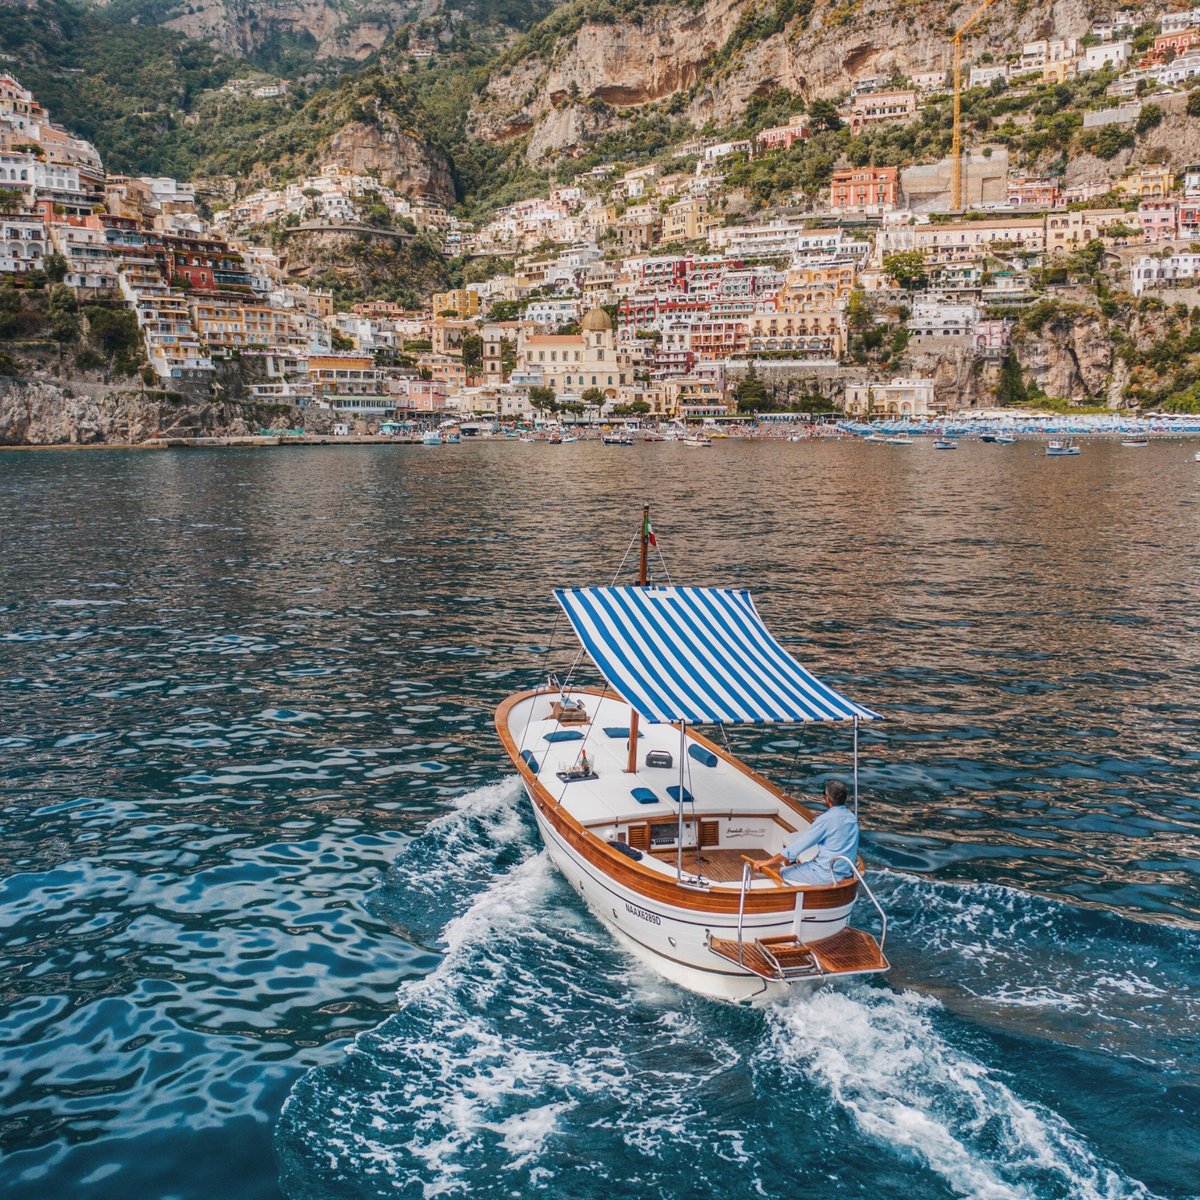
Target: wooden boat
pixel 1061 448
pixel 656 826
pixel 1135 443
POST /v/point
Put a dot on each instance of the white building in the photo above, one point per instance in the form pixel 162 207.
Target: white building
pixel 940 320
pixel 1177 22
pixel 22 244
pixel 1149 273
pixel 1115 54
pixel 890 398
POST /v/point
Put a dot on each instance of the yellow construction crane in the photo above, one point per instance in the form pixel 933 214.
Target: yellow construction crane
pixel 956 147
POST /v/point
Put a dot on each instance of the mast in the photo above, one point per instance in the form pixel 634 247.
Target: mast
pixel 643 563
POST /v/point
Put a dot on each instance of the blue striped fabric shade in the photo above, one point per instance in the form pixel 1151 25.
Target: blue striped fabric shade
pixel 699 655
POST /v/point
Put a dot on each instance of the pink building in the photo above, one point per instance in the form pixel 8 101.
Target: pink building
pixel 784 135
pixel 1159 220
pixel 1027 192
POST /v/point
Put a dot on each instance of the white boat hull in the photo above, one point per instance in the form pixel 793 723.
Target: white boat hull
pixel 674 941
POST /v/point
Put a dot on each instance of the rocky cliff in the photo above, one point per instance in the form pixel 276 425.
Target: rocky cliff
pixel 713 56
pixel 265 31
pixel 54 413
pixel 399 159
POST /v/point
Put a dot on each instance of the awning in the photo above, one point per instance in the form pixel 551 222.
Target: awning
pixel 701 655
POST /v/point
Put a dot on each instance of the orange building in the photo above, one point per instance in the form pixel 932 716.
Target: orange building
pixel 864 189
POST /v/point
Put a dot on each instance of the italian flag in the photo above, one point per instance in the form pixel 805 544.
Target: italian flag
pixel 648 534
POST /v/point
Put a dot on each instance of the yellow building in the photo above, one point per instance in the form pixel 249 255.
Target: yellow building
pixel 462 302
pixel 1067 231
pixel 1147 183
pixel 688 220
pixel 576 362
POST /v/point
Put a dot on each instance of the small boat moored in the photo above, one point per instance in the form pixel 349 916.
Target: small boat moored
pixel 666 836
pixel 945 444
pixel 1135 443
pixel 1061 448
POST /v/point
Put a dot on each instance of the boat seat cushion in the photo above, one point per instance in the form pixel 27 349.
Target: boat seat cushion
pixel 620 731
pixel 673 792
pixel 564 735
pixel 644 795
pixel 702 755
pixel 530 761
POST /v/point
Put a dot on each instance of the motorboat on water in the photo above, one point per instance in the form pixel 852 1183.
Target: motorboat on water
pixel 616 439
pixel 876 437
pixel 657 827
pixel 944 443
pixel 987 437
pixel 900 439
pixel 1061 448
pixel 697 441
pixel 431 437
pixel 1135 443
pixel 1004 439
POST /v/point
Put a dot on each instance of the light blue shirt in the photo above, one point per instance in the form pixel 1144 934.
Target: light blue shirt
pixel 834 832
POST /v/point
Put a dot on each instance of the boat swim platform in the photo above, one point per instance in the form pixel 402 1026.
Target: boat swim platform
pixel 848 952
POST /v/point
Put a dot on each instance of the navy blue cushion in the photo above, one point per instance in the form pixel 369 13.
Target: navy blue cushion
pixel 620 731
pixel 701 755
pixel 530 761
pixel 565 735
pixel 673 792
pixel 644 795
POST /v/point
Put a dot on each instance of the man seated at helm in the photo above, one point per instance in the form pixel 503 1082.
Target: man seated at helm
pixel 834 833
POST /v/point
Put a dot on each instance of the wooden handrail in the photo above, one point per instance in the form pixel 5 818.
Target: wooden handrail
pixel 769 871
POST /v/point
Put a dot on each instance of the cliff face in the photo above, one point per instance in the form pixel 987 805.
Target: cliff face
pixel 704 53
pixel 264 30
pixel 48 413
pixel 400 160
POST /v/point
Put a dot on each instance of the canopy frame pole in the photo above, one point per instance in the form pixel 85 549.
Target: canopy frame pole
pixel 643 576
pixel 856 766
pixel 679 833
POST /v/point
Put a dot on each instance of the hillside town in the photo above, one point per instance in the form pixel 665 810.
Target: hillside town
pixel 634 289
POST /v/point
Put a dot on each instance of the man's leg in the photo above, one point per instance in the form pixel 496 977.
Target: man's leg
pixel 807 874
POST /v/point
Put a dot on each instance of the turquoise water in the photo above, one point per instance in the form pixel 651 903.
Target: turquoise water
pixel 273 919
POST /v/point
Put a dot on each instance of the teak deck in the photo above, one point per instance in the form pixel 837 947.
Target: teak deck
pixel 849 952
pixel 719 866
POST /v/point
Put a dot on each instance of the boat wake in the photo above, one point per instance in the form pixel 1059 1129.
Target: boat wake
pixel 538 1056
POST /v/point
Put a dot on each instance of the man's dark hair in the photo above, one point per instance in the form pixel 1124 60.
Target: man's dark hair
pixel 835 790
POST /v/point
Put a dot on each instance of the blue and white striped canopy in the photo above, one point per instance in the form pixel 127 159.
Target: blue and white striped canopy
pixel 700 655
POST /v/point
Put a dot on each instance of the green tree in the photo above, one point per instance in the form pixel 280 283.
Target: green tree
pixel 1149 118
pixel 593 397
pixel 11 200
pixel 823 114
pixel 340 341
pixel 542 399
pixel 1011 388
pixel 63 311
pixel 1193 103
pixel 906 267
pixel 751 393
pixel 472 353
pixel 56 267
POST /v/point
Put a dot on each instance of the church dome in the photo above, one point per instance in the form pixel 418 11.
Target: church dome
pixel 597 321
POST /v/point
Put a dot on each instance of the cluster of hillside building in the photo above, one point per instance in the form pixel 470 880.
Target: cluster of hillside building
pixel 630 288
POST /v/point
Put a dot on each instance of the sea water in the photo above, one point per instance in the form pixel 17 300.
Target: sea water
pixel 274 920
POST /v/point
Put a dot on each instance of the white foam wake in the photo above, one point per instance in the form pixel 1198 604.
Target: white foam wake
pixel 881 1060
